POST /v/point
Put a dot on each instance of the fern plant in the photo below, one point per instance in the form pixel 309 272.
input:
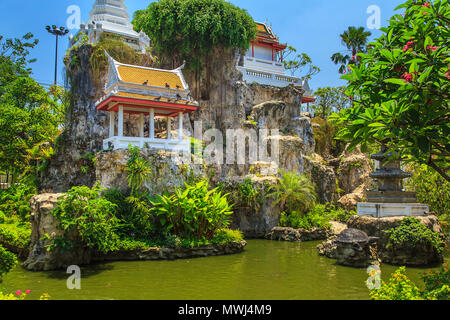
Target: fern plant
pixel 293 192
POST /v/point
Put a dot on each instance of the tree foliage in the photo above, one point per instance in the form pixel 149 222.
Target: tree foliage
pixel 29 115
pixel 401 88
pixel 329 100
pixel 355 40
pixel 189 29
pixel 296 62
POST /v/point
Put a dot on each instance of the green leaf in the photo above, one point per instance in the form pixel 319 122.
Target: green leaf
pixel 400 82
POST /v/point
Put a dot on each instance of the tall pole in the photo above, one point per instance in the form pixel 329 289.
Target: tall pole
pixel 56 32
pixel 56 61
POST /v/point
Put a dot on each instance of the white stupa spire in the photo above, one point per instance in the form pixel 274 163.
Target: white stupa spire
pixel 111 16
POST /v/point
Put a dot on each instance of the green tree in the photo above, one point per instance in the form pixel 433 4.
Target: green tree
pixel 402 85
pixel 190 29
pixel 29 115
pixel 330 99
pixel 295 62
pixel 355 40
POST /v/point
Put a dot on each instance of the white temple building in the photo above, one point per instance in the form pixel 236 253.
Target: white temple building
pixel 111 16
pixel 263 63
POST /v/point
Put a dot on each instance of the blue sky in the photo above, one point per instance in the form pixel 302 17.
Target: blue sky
pixel 312 26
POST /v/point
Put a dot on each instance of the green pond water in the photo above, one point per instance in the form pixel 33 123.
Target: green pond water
pixel 266 270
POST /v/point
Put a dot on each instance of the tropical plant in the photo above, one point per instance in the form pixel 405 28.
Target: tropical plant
pixel 138 170
pixel 15 201
pixel 193 212
pixel 355 40
pixel 293 192
pixel 400 88
pixel 307 221
pixel 190 29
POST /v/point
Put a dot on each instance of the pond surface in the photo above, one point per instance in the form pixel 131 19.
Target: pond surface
pixel 267 270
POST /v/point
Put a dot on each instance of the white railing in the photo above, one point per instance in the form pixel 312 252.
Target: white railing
pixel 380 210
pixel 261 77
pixel 162 144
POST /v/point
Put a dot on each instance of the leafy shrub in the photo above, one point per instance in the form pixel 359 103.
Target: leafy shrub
pixel 437 283
pixel 7 261
pixel 298 220
pixel 410 233
pixel 437 286
pixel 192 213
pixel 93 217
pixel 293 192
pixel 16 201
pixel 333 212
pixel 15 235
pixel 431 189
pixel 227 235
pixel 398 288
pixel 138 170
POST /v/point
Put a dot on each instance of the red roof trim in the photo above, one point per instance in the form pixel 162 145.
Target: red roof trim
pixel 142 103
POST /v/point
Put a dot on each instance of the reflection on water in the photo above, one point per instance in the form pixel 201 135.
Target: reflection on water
pixel 266 270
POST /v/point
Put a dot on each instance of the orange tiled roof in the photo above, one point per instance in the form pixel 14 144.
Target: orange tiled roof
pixel 157 78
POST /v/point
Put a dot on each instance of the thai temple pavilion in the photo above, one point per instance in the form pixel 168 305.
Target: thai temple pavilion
pixel 111 16
pixel 263 63
pixel 148 93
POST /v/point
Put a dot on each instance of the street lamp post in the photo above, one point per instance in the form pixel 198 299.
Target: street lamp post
pixel 57 32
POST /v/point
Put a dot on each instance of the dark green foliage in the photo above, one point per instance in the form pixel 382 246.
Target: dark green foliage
pixel 306 221
pixel 190 29
pixel 193 212
pixel 7 261
pixel 92 216
pixel 411 233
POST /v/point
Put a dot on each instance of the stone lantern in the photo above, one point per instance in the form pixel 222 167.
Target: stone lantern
pixel 389 199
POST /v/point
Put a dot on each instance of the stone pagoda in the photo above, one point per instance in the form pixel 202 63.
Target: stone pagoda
pixel 263 63
pixel 111 17
pixel 390 199
pixel 146 93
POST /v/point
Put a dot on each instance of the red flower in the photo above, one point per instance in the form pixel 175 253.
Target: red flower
pixel 408 45
pixel 27 292
pixel 448 75
pixel 426 4
pixel 18 292
pixel 407 76
pixel 432 48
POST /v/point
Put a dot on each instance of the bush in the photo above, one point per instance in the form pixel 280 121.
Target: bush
pixel 437 283
pixel 93 218
pixel 298 220
pixel 138 170
pixel 437 286
pixel 16 201
pixel 227 235
pixel 15 235
pixel 410 233
pixel 398 288
pixel 431 189
pixel 192 213
pixel 293 192
pixel 7 261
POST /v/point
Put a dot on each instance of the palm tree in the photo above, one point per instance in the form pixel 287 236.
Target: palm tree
pixel 355 40
pixel 293 192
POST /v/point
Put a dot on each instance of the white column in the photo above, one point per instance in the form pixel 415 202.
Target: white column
pixel 141 125
pixel 180 126
pixel 169 128
pixel 120 122
pixel 152 124
pixel 112 120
